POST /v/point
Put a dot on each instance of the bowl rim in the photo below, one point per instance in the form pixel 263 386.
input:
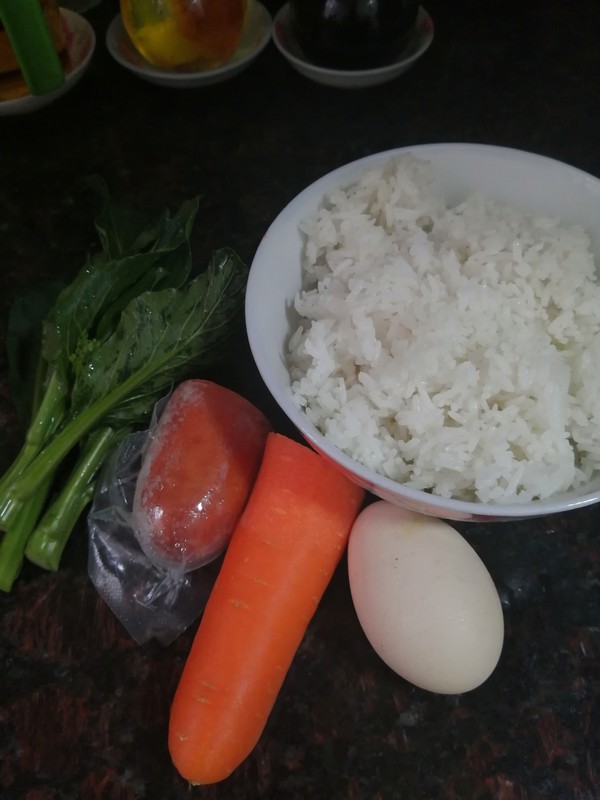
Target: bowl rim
pixel 448 508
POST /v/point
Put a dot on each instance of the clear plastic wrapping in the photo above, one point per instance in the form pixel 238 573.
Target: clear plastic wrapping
pixel 149 600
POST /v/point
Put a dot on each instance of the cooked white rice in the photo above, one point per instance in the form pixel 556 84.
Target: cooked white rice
pixel 453 349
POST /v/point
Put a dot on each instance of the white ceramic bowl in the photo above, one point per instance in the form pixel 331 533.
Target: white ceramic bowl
pixel 286 43
pixel 530 182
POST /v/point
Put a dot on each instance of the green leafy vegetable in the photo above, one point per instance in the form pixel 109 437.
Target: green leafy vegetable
pixel 135 320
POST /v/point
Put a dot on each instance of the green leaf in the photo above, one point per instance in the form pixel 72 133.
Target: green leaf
pixel 170 263
pixel 122 229
pixel 99 292
pixel 161 337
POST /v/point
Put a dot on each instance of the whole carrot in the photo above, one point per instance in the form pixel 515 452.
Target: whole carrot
pixel 279 562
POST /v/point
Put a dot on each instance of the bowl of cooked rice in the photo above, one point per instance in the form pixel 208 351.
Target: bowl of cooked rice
pixel 429 320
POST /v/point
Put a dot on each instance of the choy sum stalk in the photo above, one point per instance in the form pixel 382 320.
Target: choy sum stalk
pixel 14 541
pixel 46 543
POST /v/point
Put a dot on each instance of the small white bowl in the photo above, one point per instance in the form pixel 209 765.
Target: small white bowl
pixel 286 43
pixel 81 43
pixel 531 183
pixel 256 36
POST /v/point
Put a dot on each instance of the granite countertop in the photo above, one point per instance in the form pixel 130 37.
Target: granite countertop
pixel 83 709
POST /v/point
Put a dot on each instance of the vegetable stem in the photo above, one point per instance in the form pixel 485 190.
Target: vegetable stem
pixel 47 418
pixel 49 458
pixel 14 541
pixel 49 538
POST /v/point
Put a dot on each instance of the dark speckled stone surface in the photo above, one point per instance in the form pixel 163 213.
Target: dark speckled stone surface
pixel 83 711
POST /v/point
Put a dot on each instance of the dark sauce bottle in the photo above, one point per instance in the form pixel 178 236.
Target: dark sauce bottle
pixel 353 34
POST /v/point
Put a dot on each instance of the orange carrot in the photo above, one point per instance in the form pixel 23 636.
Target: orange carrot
pixel 279 562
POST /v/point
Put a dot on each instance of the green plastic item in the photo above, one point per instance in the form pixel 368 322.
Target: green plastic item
pixel 30 39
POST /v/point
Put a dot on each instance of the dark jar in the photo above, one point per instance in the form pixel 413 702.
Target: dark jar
pixel 353 34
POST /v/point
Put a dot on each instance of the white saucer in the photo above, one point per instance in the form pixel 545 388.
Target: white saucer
pixel 255 38
pixel 286 43
pixel 81 42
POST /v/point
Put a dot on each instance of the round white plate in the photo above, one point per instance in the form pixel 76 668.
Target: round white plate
pixel 255 38
pixel 286 43
pixel 81 42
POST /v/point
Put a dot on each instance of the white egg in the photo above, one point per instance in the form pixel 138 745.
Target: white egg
pixel 424 598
